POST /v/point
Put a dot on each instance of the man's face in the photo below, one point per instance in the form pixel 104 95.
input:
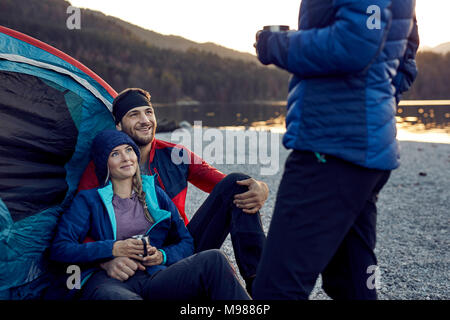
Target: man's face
pixel 140 124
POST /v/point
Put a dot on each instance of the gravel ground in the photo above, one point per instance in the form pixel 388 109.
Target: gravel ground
pixel 413 218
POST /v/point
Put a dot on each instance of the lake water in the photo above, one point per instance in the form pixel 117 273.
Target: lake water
pixel 424 121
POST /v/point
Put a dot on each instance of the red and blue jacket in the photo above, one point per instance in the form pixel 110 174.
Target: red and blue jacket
pixel 173 178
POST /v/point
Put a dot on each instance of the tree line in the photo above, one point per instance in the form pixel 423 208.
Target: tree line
pixel 123 60
pixel 432 80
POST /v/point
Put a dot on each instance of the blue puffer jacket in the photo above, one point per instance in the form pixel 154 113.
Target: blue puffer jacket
pixel 92 215
pixel 348 75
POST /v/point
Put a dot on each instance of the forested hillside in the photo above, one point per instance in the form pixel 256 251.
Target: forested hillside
pixel 123 60
pixel 122 55
pixel 433 79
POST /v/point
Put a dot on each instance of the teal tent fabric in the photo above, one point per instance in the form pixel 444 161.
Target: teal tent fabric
pixel 51 107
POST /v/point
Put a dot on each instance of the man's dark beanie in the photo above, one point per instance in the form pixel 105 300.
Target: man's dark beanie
pixel 130 99
pixel 103 144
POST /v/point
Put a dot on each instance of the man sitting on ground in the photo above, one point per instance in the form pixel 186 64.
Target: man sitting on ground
pixel 231 208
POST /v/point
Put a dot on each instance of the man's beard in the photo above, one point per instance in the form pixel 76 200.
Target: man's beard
pixel 143 141
pixel 140 140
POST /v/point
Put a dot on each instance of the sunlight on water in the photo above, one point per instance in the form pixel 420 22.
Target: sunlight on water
pixel 420 121
pixel 405 130
pixel 419 133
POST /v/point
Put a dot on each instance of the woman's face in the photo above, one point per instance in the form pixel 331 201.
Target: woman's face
pixel 122 162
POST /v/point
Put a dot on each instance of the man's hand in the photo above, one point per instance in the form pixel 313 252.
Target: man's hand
pixel 154 257
pixel 252 200
pixel 121 268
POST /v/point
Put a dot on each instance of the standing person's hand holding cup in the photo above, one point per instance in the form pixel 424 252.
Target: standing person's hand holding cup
pixel 268 29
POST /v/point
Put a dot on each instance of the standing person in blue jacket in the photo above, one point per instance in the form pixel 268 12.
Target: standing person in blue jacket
pixel 350 61
pixel 129 204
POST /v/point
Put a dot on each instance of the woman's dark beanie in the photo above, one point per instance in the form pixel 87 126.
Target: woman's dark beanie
pixel 103 144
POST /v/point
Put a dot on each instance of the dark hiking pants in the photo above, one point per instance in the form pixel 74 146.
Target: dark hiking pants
pixel 323 223
pixel 203 276
pixel 218 216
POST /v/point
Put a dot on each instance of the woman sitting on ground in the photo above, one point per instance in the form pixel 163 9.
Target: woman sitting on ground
pixel 128 205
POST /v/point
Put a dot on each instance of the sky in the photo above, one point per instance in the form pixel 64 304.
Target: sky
pixel 233 23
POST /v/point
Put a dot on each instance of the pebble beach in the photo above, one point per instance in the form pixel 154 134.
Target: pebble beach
pixel 413 238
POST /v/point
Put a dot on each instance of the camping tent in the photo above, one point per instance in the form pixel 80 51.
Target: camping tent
pixel 51 107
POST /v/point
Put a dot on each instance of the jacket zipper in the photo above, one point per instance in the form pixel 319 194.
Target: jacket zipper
pixel 153 225
pixel 159 179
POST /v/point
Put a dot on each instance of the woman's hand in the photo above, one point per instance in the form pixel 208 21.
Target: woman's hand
pixel 154 257
pixel 131 248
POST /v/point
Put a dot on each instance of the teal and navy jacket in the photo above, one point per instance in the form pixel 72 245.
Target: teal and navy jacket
pixel 91 215
pixel 172 177
pixel 350 62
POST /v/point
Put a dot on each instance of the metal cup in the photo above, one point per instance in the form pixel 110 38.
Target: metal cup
pixel 145 240
pixel 276 28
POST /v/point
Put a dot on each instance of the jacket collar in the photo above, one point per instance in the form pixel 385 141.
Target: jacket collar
pixel 148 184
pixel 152 153
pixel 106 194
